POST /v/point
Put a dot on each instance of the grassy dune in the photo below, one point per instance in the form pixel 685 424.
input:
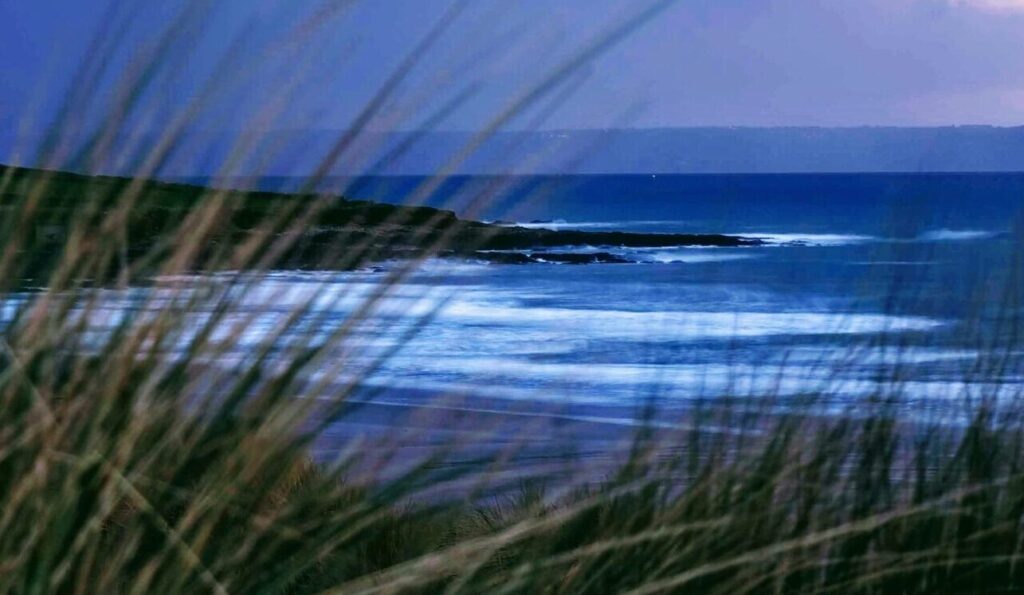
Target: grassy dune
pixel 141 453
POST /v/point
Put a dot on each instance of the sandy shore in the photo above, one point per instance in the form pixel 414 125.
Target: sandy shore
pixel 501 442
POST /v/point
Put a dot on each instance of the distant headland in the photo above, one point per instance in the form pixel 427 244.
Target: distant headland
pixel 356 232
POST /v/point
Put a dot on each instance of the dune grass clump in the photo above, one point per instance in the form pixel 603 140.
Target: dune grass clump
pixel 143 450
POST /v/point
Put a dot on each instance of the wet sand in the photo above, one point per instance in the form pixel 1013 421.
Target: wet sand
pixel 501 442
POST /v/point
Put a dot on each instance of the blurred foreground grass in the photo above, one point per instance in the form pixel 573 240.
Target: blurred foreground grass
pixel 133 459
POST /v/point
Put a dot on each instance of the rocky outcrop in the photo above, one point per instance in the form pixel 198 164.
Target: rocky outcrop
pixel 336 232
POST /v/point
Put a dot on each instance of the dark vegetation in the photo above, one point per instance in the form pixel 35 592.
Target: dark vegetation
pixel 61 200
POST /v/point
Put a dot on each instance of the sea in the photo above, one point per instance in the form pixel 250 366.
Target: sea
pixel 864 283
pixel 864 286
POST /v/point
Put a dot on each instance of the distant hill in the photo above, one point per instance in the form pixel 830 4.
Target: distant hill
pixel 731 150
pixel 672 151
pixel 656 151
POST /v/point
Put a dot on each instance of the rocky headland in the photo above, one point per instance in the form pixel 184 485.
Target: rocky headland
pixel 333 232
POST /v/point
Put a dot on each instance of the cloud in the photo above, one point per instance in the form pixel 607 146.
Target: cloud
pixel 991 5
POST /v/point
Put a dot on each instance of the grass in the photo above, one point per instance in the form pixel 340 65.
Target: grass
pixel 138 456
pixel 129 464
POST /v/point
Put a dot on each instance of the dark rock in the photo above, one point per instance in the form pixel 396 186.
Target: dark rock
pixel 519 238
pixel 504 257
pixel 542 257
pixel 578 258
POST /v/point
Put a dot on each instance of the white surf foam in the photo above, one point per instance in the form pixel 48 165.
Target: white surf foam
pixel 955 235
pixel 809 239
pixel 560 224
pixel 687 256
pixel 612 383
pixel 675 325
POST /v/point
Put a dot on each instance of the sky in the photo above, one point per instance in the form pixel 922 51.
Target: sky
pixel 697 63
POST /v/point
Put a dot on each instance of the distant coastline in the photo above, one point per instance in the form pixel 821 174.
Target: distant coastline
pixel 377 231
pixel 687 150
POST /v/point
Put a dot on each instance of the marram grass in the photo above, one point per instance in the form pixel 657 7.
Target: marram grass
pixel 132 462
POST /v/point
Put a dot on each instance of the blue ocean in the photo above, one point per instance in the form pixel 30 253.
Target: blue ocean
pixel 862 284
pixel 857 275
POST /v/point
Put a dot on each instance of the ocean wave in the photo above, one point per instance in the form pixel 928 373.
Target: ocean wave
pixel 509 342
pixel 560 224
pixel 956 235
pixel 810 239
pixel 675 325
pixel 503 378
pixel 656 255
pixel 771 238
pixel 840 239
pixel 686 256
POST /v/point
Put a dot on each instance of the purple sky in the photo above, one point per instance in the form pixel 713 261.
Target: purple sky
pixel 700 63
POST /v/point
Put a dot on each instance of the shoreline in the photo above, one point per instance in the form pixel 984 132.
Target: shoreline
pixel 334 232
